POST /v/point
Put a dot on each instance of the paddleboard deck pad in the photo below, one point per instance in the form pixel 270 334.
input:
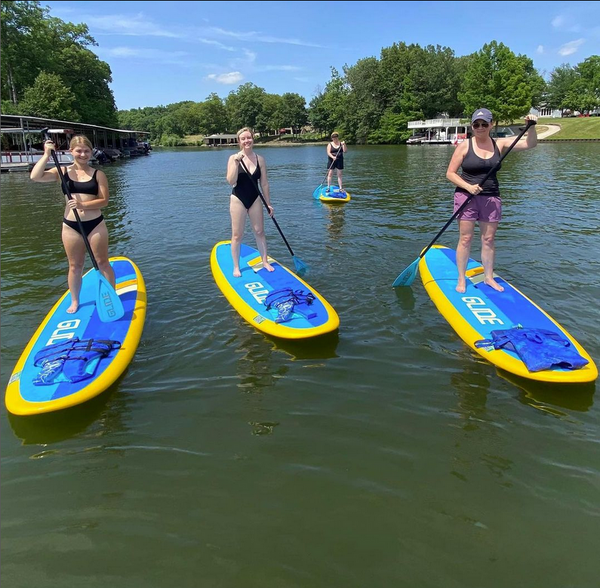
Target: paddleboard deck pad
pixel 278 303
pixel 480 310
pixel 59 368
pixel 334 196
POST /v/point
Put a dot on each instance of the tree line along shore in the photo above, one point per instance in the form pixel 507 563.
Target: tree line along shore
pixel 370 102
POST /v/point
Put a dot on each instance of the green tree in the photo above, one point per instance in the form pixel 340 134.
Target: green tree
pixel 562 80
pixel 245 105
pixel 292 111
pixel 49 98
pixel 505 83
pixel 213 115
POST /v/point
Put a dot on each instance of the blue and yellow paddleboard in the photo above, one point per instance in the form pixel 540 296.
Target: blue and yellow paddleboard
pixel 481 310
pixel 248 293
pixel 335 195
pixel 24 398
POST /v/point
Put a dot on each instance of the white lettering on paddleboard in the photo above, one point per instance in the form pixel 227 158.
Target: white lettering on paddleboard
pixel 108 304
pixel 59 333
pixel 483 315
pixel 258 291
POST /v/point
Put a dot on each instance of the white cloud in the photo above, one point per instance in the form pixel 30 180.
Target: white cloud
pixel 169 57
pixel 232 77
pixel 132 25
pixel 558 21
pixel 256 36
pixel 571 47
pixel 278 68
pixel 540 49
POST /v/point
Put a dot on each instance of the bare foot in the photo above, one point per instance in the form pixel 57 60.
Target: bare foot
pixel 493 284
pixel 237 273
pixel 73 308
pixel 461 287
pixel 268 266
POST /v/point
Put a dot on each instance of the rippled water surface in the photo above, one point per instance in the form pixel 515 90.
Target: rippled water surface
pixel 389 455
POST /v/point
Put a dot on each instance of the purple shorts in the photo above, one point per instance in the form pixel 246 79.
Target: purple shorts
pixel 480 208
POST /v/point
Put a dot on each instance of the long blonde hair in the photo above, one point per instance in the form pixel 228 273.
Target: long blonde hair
pixel 80 140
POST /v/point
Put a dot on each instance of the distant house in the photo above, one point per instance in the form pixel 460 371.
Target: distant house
pixel 220 139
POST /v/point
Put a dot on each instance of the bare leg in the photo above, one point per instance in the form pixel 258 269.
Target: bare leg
pixel 98 239
pixel 329 174
pixel 339 176
pixel 463 249
pixel 238 222
pixel 75 250
pixel 488 253
pixel 258 226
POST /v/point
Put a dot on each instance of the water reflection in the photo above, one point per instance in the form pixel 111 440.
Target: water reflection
pixel 101 416
pixel 336 219
pixel 548 397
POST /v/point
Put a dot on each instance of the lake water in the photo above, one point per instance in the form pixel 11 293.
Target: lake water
pixel 387 456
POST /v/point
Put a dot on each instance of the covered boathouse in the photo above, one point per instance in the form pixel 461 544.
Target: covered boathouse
pixel 437 130
pixel 22 142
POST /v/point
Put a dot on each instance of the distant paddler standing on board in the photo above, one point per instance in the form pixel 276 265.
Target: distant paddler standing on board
pixel 335 159
pixel 477 157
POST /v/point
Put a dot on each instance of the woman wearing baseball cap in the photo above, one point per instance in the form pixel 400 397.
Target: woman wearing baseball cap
pixel 476 157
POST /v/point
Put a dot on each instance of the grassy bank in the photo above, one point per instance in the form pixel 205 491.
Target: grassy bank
pixel 571 128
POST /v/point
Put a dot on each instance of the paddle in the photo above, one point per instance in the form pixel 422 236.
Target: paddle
pixel 301 267
pixel 109 305
pixel 317 191
pixel 407 277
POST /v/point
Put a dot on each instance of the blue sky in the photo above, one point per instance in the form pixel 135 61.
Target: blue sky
pixel 165 52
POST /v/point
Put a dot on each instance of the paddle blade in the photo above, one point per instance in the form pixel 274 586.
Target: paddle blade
pixel 407 277
pixel 301 267
pixel 109 305
pixel 317 192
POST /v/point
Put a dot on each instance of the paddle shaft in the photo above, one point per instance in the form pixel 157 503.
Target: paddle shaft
pixel 464 204
pixel 68 193
pixel 266 205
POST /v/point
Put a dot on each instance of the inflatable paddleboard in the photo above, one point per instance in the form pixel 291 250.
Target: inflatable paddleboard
pixel 481 310
pixel 98 364
pixel 335 195
pixel 278 303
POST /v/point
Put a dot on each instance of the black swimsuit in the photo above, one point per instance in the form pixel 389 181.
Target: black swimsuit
pixel 89 187
pixel 245 188
pixel 338 163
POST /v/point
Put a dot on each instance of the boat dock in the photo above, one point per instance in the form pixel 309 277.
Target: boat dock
pixel 448 131
pixel 23 144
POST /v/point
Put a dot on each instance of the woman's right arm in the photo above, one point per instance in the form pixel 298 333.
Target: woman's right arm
pixel 455 163
pixel 329 151
pixel 233 168
pixel 39 173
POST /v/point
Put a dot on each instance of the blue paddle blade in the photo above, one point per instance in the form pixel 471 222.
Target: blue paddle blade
pixel 109 305
pixel 317 192
pixel 301 267
pixel 407 277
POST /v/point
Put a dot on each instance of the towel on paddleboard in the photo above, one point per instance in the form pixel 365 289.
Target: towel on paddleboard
pixel 539 349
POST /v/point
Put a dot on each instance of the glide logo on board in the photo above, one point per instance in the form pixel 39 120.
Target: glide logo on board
pixel 64 330
pixel 257 290
pixel 485 315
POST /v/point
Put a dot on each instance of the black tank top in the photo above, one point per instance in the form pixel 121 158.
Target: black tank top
pixel 336 150
pixel 474 169
pixel 89 187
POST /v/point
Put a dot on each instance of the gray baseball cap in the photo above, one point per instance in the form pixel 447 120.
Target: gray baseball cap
pixel 482 114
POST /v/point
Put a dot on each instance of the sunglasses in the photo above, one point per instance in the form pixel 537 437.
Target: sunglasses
pixel 476 125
